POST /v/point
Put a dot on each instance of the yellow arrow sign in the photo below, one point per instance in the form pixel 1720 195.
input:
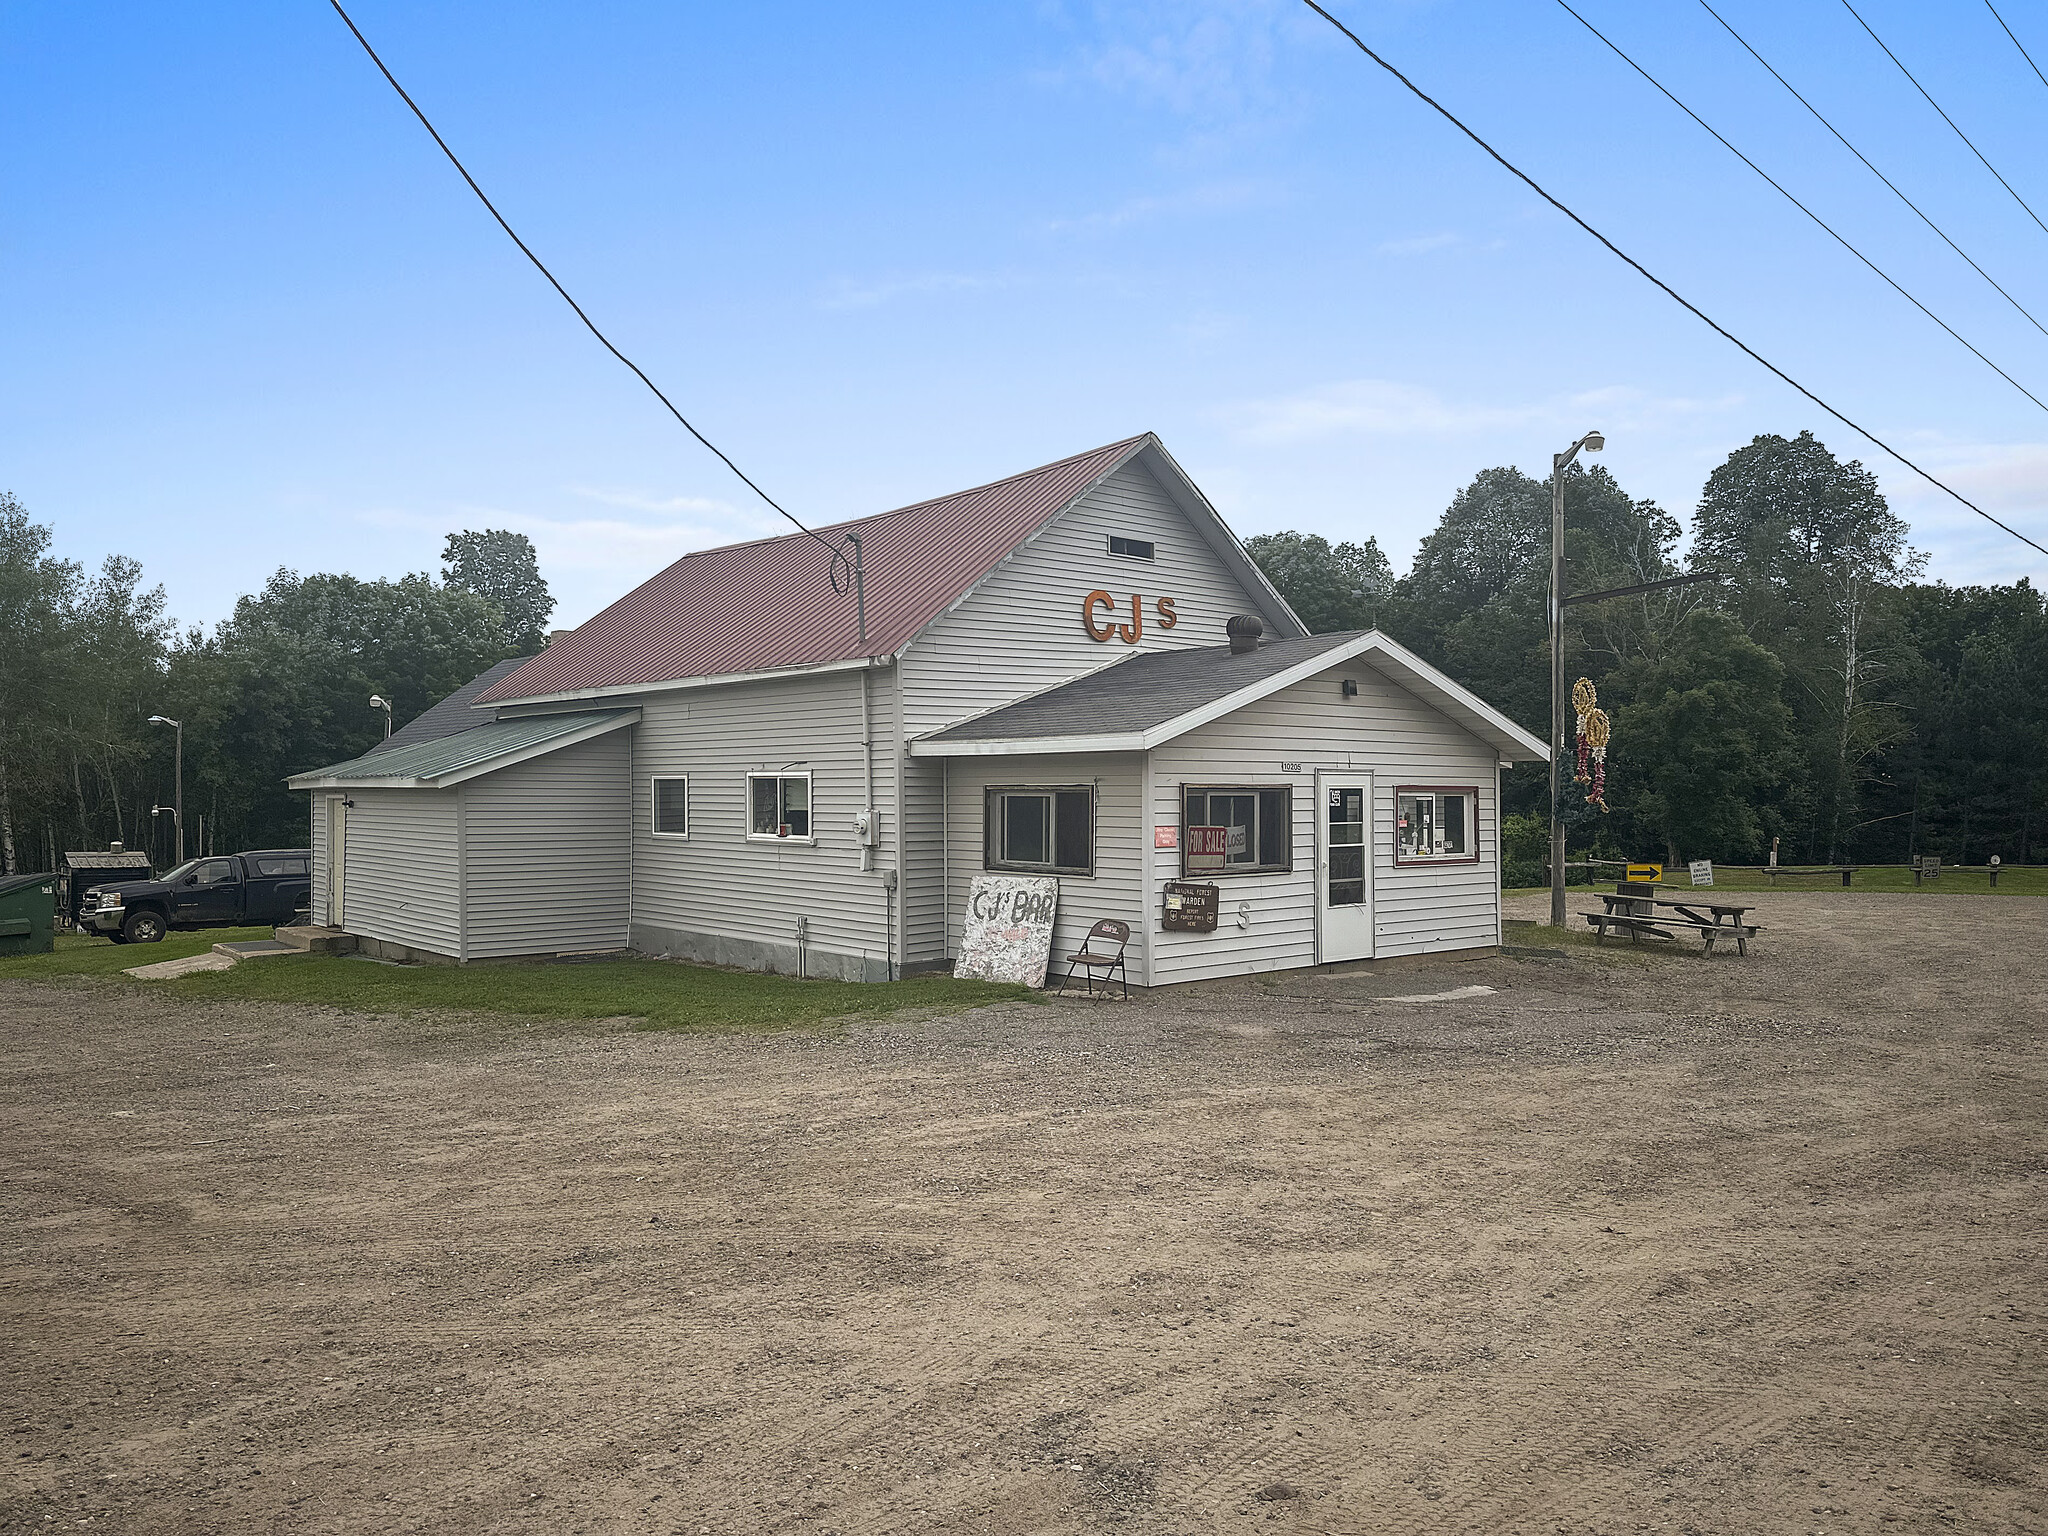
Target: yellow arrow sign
pixel 1650 872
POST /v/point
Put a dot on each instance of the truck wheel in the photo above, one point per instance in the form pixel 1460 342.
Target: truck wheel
pixel 143 928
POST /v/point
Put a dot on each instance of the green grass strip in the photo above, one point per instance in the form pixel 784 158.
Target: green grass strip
pixel 663 994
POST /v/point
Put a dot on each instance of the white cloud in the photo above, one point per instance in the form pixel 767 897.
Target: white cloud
pixel 1203 60
pixel 1384 407
pixel 2008 480
pixel 1419 245
pixel 1208 198
pixel 1360 407
pixel 870 293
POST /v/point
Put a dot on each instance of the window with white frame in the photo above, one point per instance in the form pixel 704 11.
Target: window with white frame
pixel 1433 825
pixel 672 806
pixel 1257 822
pixel 1034 829
pixel 779 805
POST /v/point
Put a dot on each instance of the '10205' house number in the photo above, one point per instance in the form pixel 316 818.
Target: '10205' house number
pixel 1129 632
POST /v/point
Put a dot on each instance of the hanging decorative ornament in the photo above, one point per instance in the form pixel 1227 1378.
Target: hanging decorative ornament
pixel 1597 732
pixel 1584 700
pixel 1594 729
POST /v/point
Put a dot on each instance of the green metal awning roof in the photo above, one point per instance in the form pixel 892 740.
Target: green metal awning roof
pixel 479 750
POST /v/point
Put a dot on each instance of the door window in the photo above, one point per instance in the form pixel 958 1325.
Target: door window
pixel 1347 843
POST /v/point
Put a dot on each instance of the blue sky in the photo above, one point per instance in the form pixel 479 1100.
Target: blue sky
pixel 878 253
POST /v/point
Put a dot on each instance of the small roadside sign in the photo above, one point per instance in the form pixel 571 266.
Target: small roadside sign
pixel 1646 872
pixel 1701 870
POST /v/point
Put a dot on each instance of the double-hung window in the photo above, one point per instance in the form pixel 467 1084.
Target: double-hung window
pixel 779 805
pixel 1435 825
pixel 671 806
pixel 1257 822
pixel 1040 829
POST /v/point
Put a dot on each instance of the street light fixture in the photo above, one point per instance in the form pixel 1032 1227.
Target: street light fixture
pixel 378 701
pixel 177 810
pixel 1592 442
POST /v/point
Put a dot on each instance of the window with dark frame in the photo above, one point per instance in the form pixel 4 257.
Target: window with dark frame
pixel 779 805
pixel 672 806
pixel 1436 825
pixel 1259 822
pixel 1039 829
pixel 1135 549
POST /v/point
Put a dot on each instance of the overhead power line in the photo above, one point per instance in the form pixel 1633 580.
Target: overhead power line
pixel 1944 116
pixel 840 560
pixel 1880 175
pixel 2017 43
pixel 1528 181
pixel 1796 203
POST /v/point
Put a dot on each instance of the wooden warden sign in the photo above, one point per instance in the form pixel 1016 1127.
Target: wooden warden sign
pixel 1191 907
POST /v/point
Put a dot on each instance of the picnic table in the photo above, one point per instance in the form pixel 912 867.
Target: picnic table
pixel 1637 915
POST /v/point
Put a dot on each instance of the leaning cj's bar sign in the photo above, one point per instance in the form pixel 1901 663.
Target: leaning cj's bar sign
pixel 1129 633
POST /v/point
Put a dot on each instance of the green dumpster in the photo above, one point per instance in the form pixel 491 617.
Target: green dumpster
pixel 28 909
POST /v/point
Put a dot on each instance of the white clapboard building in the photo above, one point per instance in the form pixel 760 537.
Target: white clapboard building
pixel 1074 672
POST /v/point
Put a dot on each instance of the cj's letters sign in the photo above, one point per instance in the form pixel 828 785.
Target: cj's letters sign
pixel 1008 932
pixel 1110 626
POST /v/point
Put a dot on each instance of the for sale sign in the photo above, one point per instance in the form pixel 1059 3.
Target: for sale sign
pixel 1205 851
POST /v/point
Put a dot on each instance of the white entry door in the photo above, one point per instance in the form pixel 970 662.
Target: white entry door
pixel 1343 867
pixel 337 858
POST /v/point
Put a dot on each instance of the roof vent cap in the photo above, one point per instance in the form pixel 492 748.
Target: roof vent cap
pixel 1244 630
pixel 114 848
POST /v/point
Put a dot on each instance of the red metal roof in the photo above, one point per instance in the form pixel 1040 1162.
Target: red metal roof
pixel 768 604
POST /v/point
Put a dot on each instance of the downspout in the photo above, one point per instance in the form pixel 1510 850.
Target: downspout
pixel 946 857
pixel 462 874
pixel 867 752
pixel 899 844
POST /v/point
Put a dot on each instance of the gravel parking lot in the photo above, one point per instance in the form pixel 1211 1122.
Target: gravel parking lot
pixel 1628 1243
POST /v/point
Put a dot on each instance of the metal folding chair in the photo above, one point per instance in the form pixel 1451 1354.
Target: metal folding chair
pixel 1091 959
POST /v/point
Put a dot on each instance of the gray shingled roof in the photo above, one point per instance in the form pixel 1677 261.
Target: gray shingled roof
pixel 427 763
pixel 1140 692
pixel 452 716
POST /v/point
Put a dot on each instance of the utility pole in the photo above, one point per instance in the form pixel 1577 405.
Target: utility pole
pixel 1592 442
pixel 178 804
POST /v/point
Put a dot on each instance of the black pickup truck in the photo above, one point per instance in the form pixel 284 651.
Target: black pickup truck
pixel 272 885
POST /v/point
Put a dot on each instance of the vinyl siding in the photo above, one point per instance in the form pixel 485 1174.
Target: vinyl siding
pixel 1115 889
pixel 401 876
pixel 318 843
pixel 1384 731
pixel 547 848
pixel 717 886
pixel 1020 631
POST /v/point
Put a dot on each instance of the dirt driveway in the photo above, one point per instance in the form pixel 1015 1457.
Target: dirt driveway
pixel 1710 1246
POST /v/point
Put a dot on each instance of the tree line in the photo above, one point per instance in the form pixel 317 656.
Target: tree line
pixel 1821 696
pixel 86 658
